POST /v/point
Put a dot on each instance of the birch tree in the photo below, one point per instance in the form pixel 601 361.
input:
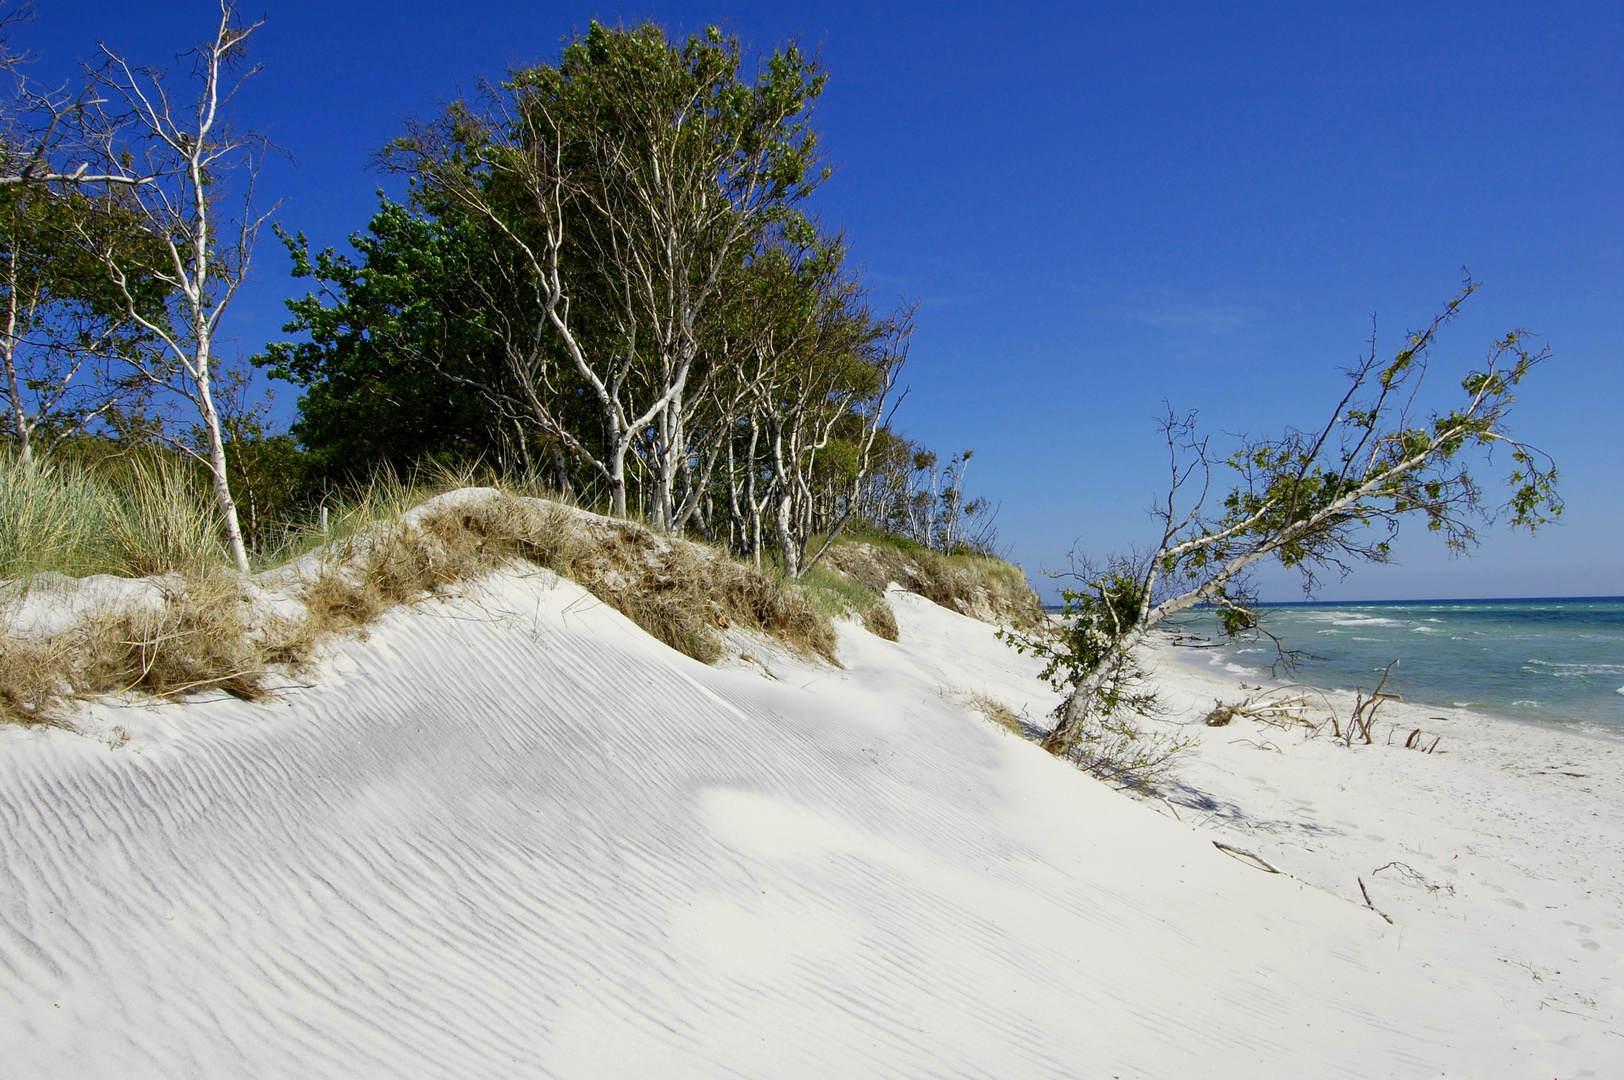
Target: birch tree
pixel 824 369
pixel 192 157
pixel 42 130
pixel 688 163
pixel 1317 500
pixel 621 183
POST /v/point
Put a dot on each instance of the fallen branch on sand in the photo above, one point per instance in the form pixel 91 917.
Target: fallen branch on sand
pixel 1366 894
pixel 1288 711
pixel 1247 857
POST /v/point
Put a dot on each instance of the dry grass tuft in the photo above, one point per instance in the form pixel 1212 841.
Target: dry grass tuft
pixel 979 586
pixel 682 593
pixel 998 713
pixel 205 633
pixel 32 686
pixel 685 593
pixel 400 562
pixel 202 635
pixel 880 620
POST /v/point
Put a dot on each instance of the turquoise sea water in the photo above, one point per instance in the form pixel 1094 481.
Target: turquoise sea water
pixel 1557 661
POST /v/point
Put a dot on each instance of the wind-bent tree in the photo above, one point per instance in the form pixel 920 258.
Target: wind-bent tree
pixel 1316 500
pixel 622 182
pixel 191 155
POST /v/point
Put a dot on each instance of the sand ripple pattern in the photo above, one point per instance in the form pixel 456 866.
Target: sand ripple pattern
pixel 511 836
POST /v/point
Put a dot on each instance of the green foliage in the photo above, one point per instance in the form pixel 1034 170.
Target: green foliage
pixel 835 594
pixel 62 343
pixel 390 334
pixel 163 518
pixel 1091 641
pixel 53 517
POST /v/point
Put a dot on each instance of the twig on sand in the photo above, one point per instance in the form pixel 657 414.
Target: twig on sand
pixel 1247 856
pixel 1368 904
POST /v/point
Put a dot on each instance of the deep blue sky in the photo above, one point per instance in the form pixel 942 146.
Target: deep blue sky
pixel 1100 207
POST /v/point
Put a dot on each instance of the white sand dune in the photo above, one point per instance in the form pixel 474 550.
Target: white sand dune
pixel 511 835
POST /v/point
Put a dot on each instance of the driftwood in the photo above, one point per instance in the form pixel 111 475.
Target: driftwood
pixel 1288 711
pixel 1247 857
pixel 1366 893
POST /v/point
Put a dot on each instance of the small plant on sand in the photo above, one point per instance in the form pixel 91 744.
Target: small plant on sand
pixel 998 713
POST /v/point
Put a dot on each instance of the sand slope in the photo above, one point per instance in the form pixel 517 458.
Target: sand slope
pixel 511 836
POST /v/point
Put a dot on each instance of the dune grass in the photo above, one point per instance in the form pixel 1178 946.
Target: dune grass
pixel 834 594
pixel 965 581
pixel 148 515
pixel 207 630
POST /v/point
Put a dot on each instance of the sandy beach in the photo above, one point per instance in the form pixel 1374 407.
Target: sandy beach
pixel 1499 856
pixel 512 835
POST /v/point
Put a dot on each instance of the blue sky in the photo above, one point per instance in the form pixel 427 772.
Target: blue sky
pixel 1101 208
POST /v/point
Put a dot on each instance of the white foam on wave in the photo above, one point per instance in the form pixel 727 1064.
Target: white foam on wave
pixel 1559 669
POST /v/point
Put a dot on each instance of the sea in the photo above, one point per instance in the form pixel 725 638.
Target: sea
pixel 1555 661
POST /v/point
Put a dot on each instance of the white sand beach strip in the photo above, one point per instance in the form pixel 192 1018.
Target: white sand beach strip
pixel 513 836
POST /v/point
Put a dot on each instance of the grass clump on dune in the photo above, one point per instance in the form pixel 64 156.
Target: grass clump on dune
pixel 973 584
pixel 188 634
pixel 148 515
pixel 834 594
pixel 192 625
pixel 682 593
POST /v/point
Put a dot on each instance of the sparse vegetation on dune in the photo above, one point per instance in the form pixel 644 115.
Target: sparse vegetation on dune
pixel 978 585
pixel 196 625
pixel 142 515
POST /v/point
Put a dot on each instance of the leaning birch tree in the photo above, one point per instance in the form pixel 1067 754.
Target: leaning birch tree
pixel 190 154
pixel 1318 500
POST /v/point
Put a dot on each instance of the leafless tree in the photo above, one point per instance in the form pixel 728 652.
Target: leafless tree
pixel 194 161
